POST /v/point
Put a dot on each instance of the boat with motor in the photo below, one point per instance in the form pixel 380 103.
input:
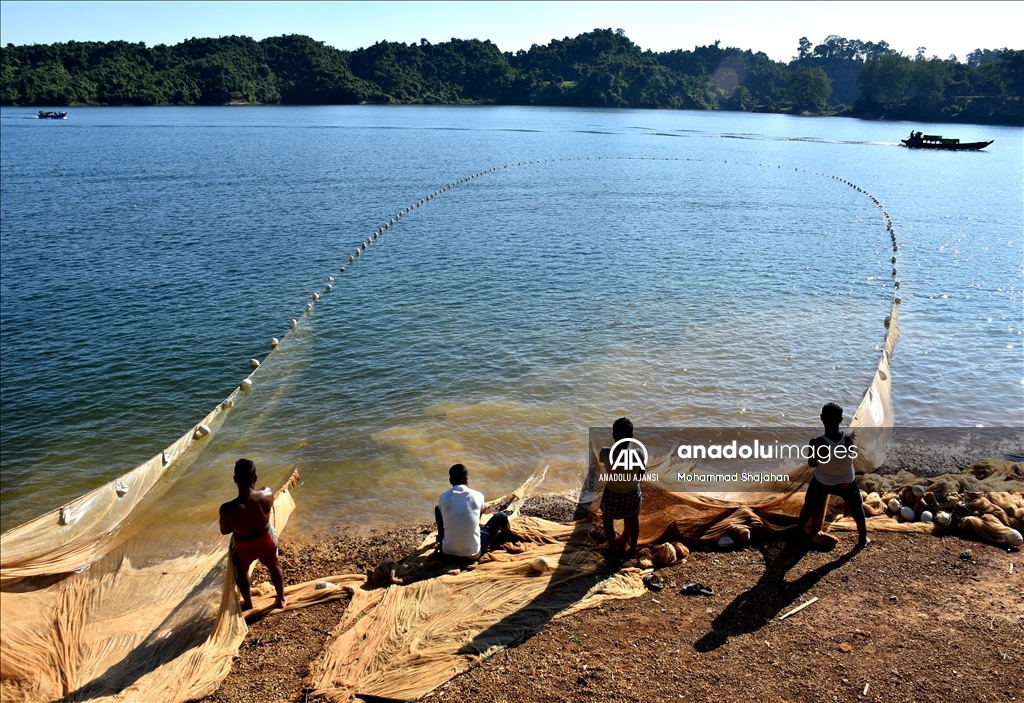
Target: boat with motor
pixel 916 140
pixel 52 115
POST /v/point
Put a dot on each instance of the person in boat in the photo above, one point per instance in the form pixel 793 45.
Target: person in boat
pixel 460 536
pixel 247 520
pixel 832 456
pixel 621 499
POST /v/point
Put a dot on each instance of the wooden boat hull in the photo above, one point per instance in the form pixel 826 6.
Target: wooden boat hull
pixel 969 146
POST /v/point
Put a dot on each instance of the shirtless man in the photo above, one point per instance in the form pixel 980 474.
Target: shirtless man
pixel 247 520
pixel 832 461
pixel 622 499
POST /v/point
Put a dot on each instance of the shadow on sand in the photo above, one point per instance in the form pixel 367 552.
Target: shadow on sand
pixel 754 608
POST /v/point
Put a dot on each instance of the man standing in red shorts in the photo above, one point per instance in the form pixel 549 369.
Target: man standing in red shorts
pixel 247 520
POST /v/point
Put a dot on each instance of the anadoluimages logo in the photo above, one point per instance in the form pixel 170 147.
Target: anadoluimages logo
pixel 628 459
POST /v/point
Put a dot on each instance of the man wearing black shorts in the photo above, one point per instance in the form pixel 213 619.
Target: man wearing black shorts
pixel 832 458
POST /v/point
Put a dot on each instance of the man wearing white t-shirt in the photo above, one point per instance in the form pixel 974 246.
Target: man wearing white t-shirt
pixel 457 514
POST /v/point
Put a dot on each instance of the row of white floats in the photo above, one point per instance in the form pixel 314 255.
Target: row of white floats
pixel 246 383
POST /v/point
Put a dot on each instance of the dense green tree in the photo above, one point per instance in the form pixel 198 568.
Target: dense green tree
pixel 725 70
pixel 842 59
pixel 884 82
pixel 599 68
pixel 809 89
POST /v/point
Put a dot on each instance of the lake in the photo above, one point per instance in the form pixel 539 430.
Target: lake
pixel 684 268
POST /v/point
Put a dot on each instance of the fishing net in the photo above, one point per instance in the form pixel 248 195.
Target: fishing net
pixel 102 601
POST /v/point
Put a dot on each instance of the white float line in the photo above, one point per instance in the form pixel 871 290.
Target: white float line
pixel 393 220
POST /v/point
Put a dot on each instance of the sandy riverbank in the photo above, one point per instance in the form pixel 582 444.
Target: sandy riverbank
pixel 912 617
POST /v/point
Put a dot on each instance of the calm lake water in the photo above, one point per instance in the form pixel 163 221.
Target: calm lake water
pixel 684 268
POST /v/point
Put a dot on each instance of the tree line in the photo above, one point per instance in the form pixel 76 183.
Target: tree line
pixel 602 68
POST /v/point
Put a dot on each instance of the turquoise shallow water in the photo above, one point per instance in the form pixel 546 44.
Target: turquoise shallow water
pixel 684 268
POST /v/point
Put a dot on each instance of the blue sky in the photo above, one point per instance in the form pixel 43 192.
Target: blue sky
pixel 774 28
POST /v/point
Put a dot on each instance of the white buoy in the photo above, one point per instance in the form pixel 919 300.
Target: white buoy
pixel 274 342
pixel 1014 538
pixel 293 324
pixel 330 287
pixel 341 270
pixel 541 565
pixel 943 518
pixel 246 384
pixel 309 307
pixel 894 506
pixel 330 278
pixel 888 320
pixel 726 541
pixel 926 516
pixel 919 491
pixel 316 297
pixel 202 430
pixel 894 271
pixel 897 300
pixel 121 488
pixel 351 258
pixel 907 513
pixel 64 517
pixel 254 363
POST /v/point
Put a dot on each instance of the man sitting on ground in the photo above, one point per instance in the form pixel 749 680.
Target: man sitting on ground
pixel 457 514
pixel 247 520
pixel 832 458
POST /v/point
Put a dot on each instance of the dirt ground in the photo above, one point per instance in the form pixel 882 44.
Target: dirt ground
pixel 910 618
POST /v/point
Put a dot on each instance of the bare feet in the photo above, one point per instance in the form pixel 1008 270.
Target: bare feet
pixel 281 602
pixel 246 604
pixel 823 541
pixel 861 543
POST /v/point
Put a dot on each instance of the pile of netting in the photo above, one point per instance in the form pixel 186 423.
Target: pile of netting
pixel 168 630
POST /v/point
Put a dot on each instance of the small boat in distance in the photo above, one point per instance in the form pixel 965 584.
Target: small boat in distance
pixel 52 115
pixel 916 140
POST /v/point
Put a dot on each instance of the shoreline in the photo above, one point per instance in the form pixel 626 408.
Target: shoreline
pixel 912 615
pixel 381 103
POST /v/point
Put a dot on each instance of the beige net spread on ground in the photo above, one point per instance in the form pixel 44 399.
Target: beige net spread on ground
pixel 427 622
pixel 127 627
pixel 99 603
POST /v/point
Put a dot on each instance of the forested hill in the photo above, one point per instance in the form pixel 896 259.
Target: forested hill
pixel 602 68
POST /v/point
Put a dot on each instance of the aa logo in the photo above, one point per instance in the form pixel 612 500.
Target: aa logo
pixel 631 457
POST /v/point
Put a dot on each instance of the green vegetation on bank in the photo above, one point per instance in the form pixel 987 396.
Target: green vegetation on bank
pixel 602 68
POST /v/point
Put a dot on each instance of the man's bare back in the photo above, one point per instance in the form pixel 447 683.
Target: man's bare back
pixel 247 516
pixel 247 520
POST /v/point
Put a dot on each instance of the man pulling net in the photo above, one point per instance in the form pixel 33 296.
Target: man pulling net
pixel 247 520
